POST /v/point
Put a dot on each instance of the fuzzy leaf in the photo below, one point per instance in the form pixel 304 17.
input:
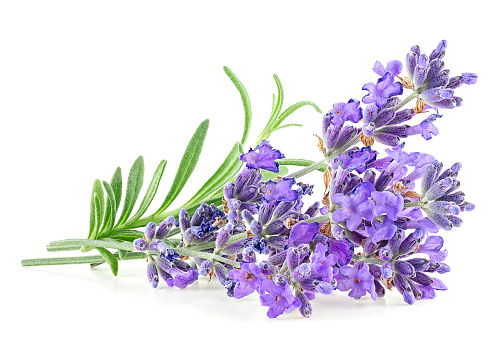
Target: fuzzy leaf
pixel 187 165
pixel 110 259
pixel 245 102
pixel 230 166
pixel 279 102
pixel 95 213
pixel 299 162
pixel 122 254
pixel 134 184
pixel 293 108
pixel 267 175
pixel 150 193
pixel 110 201
pixel 116 185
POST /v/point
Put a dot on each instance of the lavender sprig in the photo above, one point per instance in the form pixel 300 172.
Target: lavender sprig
pixel 372 231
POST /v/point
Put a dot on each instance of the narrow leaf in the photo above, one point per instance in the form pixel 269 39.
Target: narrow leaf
pixel 299 162
pixel 92 222
pixel 280 100
pixel 267 175
pixel 134 184
pixel 293 108
pixel 245 102
pixel 230 166
pixel 187 165
pixel 95 216
pixel 150 193
pixel 107 214
pixel 122 254
pixel 286 126
pixel 110 259
pixel 110 199
pixel 116 184
pixel 98 189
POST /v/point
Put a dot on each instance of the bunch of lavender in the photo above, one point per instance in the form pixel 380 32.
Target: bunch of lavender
pixel 375 228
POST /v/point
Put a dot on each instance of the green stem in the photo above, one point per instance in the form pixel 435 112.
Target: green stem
pixel 322 162
pixel 160 217
pixel 406 100
pixel 212 244
pixel 413 204
pixel 359 258
pixel 77 260
pixel 322 218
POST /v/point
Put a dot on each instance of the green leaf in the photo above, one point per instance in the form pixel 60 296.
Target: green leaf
pixel 298 162
pixel 150 193
pixel 110 201
pixel 110 259
pixel 245 101
pixel 293 108
pixel 286 126
pixel 230 166
pixel 187 165
pixel 280 100
pixel 134 184
pixel 95 216
pixel 267 175
pixel 98 188
pixel 122 254
pixel 116 185
pixel 126 235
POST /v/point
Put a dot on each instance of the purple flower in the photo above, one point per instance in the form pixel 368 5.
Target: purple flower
pixel 350 111
pixel 384 89
pixel 342 250
pixel 322 262
pixel 357 279
pixel 357 159
pixel 303 233
pixel 387 203
pixel 381 231
pixel 263 156
pixel 182 279
pixel 426 128
pixel 394 67
pixel 355 207
pixel 432 247
pixel 249 279
pixel 281 190
pixel 279 299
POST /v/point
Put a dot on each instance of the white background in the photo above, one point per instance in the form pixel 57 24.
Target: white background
pixel 86 86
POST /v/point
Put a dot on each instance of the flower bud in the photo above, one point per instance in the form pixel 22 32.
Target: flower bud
pixel 149 231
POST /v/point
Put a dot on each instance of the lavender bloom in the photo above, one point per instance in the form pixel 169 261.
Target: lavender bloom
pixel 342 250
pixel 394 67
pixel 356 159
pixel 279 299
pixel 281 190
pixel 263 156
pixel 248 278
pixel 322 263
pixel 357 279
pixel 381 231
pixel 432 81
pixel 350 111
pixel 355 207
pixel 432 247
pixel 387 203
pixel 303 233
pixel 380 92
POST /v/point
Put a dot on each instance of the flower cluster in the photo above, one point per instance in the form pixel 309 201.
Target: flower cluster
pixel 375 229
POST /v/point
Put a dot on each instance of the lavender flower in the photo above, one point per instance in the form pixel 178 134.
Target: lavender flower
pixel 384 88
pixel 357 279
pixel 279 299
pixel 263 156
pixel 248 278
